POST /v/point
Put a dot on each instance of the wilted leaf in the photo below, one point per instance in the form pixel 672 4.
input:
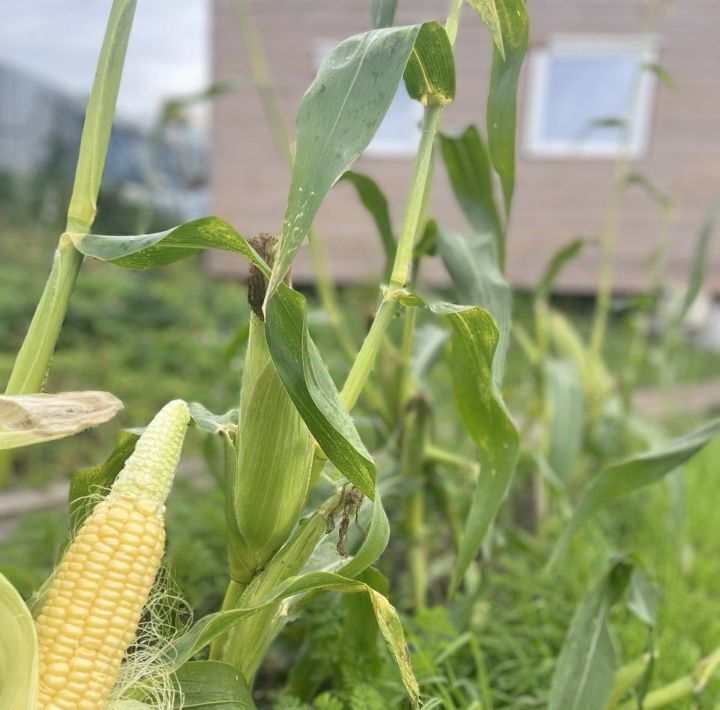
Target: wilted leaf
pixel 211 423
pixel 214 625
pixel 33 418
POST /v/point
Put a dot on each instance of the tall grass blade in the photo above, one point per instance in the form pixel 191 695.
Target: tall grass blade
pixel 586 666
pixel 508 23
pixel 468 167
pixel 629 476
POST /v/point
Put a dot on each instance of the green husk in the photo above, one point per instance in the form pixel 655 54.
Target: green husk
pixel 275 451
pixel 18 651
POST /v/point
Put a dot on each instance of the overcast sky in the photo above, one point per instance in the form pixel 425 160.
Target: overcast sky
pixel 59 41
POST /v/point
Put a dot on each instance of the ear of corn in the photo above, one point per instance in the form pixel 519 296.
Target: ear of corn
pixel 274 451
pixel 95 602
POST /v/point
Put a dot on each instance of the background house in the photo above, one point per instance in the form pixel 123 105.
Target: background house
pixel 586 68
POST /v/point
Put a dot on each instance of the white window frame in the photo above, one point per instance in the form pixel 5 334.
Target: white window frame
pixel 642 47
pixel 378 148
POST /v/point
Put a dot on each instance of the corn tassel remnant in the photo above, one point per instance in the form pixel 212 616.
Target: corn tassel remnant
pixel 95 602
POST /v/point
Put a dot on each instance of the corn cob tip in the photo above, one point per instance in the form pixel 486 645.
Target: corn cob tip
pixel 149 470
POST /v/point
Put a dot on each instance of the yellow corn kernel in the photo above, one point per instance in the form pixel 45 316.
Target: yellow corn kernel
pixel 106 574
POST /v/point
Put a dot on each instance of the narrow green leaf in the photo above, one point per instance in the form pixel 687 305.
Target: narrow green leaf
pixel 376 204
pixel 383 13
pixel 511 25
pixel 558 261
pixel 488 11
pixel 147 251
pixel 312 390
pixel 473 347
pixel 343 108
pixel 27 419
pixel 643 597
pixel 629 476
pixel 430 72
pixel 212 626
pixel 212 685
pixel 468 167
pixel 586 666
pixel 471 261
pixel 650 188
pixel 697 270
pixel 566 403
pixel 18 651
pixel 336 121
pixel 88 483
pixel 99 117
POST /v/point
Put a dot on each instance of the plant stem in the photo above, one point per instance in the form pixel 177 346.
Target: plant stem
pixel 365 360
pixel 33 359
pixel 413 211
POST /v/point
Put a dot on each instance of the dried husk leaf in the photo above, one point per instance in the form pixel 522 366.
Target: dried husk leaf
pixel 33 418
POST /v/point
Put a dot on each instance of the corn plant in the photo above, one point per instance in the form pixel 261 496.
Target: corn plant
pixel 297 475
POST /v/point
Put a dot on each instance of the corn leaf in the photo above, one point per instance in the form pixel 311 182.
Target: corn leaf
pixel 699 261
pixel 148 251
pixel 343 108
pixel 88 483
pixel 430 72
pixel 508 24
pixel 296 357
pixel 213 625
pixel 212 685
pixel 586 666
pixel 27 419
pixel 383 13
pixel 471 261
pixel 489 14
pixel 629 476
pixel 556 264
pixel 312 390
pixel 468 167
pixel 565 401
pixel 473 347
pixel 376 204
pixel 18 651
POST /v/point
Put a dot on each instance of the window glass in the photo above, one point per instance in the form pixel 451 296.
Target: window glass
pixel 589 99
